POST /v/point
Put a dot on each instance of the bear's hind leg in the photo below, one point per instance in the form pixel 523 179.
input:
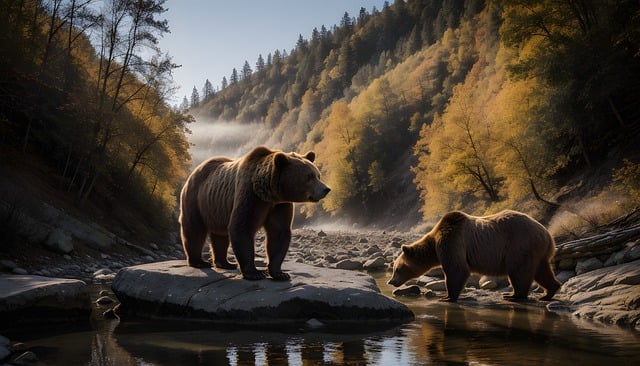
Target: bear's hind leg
pixel 219 248
pixel 194 233
pixel 521 283
pixel 547 280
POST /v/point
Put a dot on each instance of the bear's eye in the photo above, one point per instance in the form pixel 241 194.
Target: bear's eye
pixel 311 177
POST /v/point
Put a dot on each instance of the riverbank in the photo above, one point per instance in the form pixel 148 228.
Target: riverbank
pixel 588 291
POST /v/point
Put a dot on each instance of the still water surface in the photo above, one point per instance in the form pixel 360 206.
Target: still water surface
pixel 442 334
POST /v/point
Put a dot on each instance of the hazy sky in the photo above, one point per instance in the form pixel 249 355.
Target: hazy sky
pixel 211 37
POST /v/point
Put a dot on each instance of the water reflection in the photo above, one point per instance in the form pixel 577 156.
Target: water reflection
pixel 207 347
pixel 442 334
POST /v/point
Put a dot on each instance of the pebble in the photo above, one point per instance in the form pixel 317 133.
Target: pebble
pixel 436 285
pixel 633 254
pixel 487 283
pixel 410 291
pixel 615 258
pixel 396 244
pixel 374 250
pixel 375 264
pixel 330 259
pixel 588 265
pixel 430 294
pixel 349 264
pixel 564 276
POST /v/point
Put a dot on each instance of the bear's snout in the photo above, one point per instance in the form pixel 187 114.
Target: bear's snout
pixel 320 193
pixel 394 282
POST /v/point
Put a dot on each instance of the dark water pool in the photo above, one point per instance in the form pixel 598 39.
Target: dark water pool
pixel 442 334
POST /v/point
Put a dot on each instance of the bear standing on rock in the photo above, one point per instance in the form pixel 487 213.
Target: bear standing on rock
pixel 508 243
pixel 230 200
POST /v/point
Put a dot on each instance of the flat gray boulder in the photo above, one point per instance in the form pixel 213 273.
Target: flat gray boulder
pixel 35 300
pixel 610 294
pixel 173 290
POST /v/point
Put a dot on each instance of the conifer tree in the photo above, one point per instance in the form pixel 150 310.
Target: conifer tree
pixel 246 71
pixel 195 98
pixel 260 63
pixel 207 90
pixel 185 104
pixel 234 76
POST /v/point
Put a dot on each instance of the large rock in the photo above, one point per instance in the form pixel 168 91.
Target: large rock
pixel 610 294
pixel 36 300
pixel 173 290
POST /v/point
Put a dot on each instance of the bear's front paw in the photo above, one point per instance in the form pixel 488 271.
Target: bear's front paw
pixel 254 275
pixel 280 276
pixel 225 265
pixel 515 298
pixel 198 263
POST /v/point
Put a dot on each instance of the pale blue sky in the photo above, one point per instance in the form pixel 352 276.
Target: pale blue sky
pixel 211 37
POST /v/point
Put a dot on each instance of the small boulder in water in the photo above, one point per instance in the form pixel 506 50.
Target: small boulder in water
pixel 410 291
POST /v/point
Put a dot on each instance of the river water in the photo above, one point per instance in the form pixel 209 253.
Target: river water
pixel 441 334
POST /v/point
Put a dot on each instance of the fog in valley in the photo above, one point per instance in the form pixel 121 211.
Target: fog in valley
pixel 209 138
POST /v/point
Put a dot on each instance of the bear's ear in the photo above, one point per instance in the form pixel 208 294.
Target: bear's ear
pixel 311 156
pixel 408 250
pixel 281 159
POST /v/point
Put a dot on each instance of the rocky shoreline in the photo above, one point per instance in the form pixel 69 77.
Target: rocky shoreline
pixel 367 251
pixel 606 290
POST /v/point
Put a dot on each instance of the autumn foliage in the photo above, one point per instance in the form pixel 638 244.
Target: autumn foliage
pixel 414 109
pixel 83 89
pixel 431 106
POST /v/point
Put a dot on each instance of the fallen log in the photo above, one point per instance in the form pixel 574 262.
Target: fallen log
pixel 597 245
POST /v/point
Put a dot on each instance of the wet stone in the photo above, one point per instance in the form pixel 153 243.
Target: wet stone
pixel 588 265
pixel 409 291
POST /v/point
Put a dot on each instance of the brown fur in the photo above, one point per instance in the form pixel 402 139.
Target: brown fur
pixel 230 200
pixel 509 244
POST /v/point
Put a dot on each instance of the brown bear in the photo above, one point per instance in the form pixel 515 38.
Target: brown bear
pixel 230 200
pixel 508 243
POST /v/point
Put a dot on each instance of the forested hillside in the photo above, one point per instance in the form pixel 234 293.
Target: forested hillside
pixel 83 115
pixel 414 109
pixel 426 106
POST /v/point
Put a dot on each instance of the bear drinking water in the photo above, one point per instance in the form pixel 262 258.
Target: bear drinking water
pixel 508 243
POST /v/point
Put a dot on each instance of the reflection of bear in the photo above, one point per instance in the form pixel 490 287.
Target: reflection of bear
pixel 232 199
pixel 508 243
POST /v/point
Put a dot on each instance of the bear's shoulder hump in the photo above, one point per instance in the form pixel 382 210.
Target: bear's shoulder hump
pixel 453 217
